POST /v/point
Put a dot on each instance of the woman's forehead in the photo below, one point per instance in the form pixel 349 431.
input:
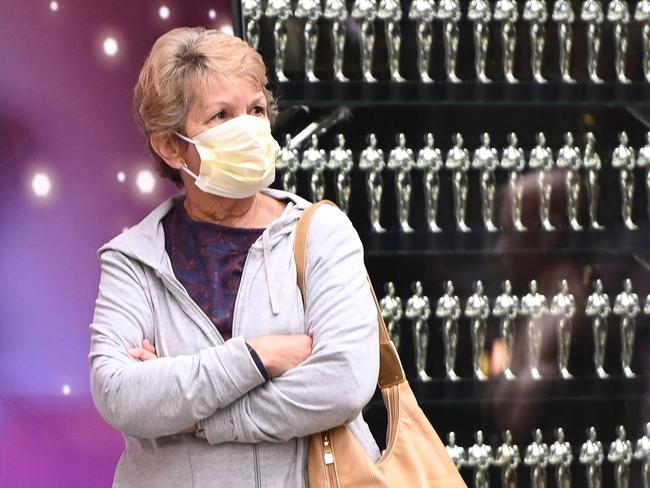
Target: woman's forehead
pixel 221 90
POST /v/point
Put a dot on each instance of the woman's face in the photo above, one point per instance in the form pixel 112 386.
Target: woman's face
pixel 216 102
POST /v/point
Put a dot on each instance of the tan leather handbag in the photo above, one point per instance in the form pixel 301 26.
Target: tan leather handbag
pixel 415 457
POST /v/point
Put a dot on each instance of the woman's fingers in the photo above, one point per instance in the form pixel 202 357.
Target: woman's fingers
pixel 141 353
pixel 148 346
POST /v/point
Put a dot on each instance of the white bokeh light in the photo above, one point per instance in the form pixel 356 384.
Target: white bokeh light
pixel 54 6
pixel 145 181
pixel 41 185
pixel 164 12
pixel 121 176
pixel 66 390
pixel 110 46
pixel 227 29
pixel 212 13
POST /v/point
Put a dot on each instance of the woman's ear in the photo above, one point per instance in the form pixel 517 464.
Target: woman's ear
pixel 168 148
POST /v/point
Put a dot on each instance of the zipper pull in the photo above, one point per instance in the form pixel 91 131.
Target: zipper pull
pixel 328 456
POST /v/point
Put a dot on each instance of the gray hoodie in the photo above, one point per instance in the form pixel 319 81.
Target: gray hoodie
pixel 256 430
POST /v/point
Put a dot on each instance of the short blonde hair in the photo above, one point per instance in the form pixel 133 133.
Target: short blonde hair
pixel 179 61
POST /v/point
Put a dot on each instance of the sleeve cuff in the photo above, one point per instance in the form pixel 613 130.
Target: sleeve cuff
pixel 258 362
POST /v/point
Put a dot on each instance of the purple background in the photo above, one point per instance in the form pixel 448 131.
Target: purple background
pixel 65 110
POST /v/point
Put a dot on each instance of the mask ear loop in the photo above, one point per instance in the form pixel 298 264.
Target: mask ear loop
pixel 185 167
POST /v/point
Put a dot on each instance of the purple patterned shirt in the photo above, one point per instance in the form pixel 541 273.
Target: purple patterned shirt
pixel 208 260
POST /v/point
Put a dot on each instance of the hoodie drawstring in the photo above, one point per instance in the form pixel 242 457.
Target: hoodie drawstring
pixel 267 269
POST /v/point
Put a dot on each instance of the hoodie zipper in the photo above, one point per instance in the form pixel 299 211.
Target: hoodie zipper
pixel 256 464
pixel 328 458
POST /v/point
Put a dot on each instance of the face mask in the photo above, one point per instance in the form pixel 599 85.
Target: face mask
pixel 237 157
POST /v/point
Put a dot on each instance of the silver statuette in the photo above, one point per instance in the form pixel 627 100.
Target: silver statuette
pixel 618 14
pixel 486 160
pixel 478 311
pixel 449 311
pixel 564 17
pixel 449 13
pixel 591 14
pixel 365 13
pixel 506 13
pixel 423 12
pixel 642 453
pixel 620 454
pixel 569 159
pixel 592 455
pixel 479 14
pixel 627 306
pixel 371 161
pixel 280 11
pixel 508 459
pixel 535 13
pixel 560 458
pixel 643 161
pixel 340 161
pixel 537 458
pixel 401 161
pixel 287 164
pixel 533 306
pixel 591 163
pixel 418 310
pixel 390 11
pixel 598 308
pixel 459 163
pixel 541 160
pixel 480 457
pixel 392 311
pixel 506 308
pixel 336 12
pixel 252 11
pixel 624 161
pixel 429 160
pixel 314 161
pixel 310 11
pixel 456 453
pixel 514 162
pixel 563 306
pixel 642 15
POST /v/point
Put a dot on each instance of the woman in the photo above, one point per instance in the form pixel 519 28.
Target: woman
pixel 202 352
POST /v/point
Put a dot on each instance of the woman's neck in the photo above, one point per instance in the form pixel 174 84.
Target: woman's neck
pixel 231 212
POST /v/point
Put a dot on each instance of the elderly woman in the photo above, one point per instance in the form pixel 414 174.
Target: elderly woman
pixel 202 352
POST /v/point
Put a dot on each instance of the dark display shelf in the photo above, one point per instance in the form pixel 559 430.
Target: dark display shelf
pixel 608 242
pixel 411 93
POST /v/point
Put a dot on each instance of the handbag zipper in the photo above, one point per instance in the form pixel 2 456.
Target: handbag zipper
pixel 328 458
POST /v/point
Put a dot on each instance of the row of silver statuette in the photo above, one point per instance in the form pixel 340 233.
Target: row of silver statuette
pixel 485 159
pixel 506 15
pixel 559 455
pixel 507 307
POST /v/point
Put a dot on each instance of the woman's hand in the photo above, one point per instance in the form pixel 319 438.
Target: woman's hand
pixel 144 353
pixel 280 353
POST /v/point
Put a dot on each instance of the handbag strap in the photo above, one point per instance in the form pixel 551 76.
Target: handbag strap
pixel 390 368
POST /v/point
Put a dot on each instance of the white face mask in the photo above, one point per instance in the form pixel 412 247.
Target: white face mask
pixel 237 157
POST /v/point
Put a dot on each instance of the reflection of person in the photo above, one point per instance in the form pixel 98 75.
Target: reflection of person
pixel 200 351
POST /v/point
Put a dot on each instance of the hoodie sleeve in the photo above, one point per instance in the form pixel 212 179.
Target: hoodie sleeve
pixel 332 386
pixel 151 399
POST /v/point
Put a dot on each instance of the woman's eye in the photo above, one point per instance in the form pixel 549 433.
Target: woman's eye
pixel 220 116
pixel 259 110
